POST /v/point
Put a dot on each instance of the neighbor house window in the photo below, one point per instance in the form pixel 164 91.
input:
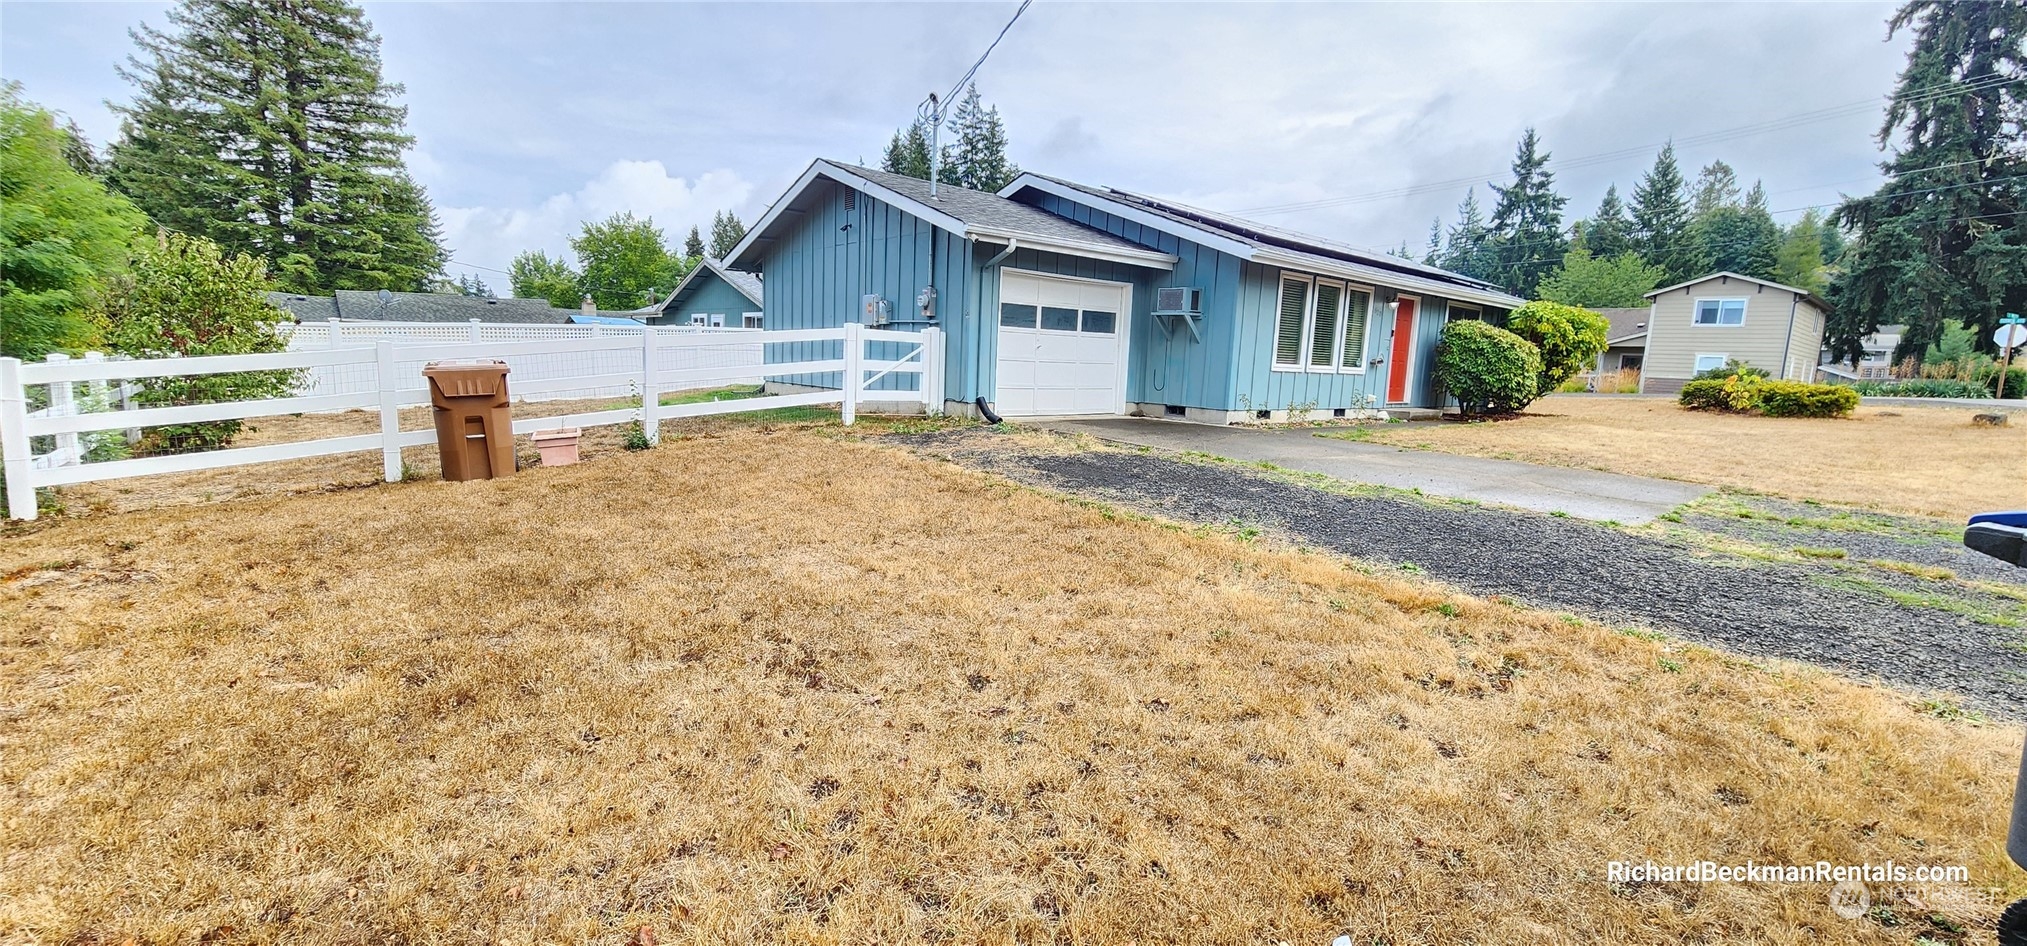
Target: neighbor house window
pixel 1319 325
pixel 1720 311
pixel 699 319
pixel 718 320
pixel 1710 362
pixel 750 320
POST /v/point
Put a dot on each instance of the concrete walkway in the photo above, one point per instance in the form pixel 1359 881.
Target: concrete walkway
pixel 1585 494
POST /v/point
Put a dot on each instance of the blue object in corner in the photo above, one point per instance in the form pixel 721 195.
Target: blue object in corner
pixel 2017 518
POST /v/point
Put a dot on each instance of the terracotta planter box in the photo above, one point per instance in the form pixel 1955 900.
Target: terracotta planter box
pixel 558 447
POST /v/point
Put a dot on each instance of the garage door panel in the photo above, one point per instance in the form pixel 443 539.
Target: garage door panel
pixel 1066 357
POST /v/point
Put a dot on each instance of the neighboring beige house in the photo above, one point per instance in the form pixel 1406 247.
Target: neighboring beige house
pixel 1877 362
pixel 1701 324
pixel 1625 341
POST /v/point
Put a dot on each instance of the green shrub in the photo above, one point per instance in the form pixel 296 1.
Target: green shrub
pixel 1923 387
pixel 1731 367
pixel 1802 399
pixel 1487 368
pixel 2016 382
pixel 1567 338
pixel 1738 393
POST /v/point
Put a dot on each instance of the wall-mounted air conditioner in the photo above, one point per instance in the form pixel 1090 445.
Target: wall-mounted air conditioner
pixel 1179 300
pixel 1179 304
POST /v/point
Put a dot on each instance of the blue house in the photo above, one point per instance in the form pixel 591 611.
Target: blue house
pixel 712 295
pixel 1059 298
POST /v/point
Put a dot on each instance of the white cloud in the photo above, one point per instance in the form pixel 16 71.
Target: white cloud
pixel 486 239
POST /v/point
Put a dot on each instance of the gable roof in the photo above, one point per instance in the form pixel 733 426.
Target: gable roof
pixel 1272 245
pixel 959 210
pixel 747 284
pixel 1626 324
pixel 362 306
pixel 1814 299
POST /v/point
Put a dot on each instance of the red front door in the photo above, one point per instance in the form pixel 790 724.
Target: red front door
pixel 1401 361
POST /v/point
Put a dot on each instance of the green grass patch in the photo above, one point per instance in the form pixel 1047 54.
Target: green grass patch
pixel 1806 551
pixel 707 395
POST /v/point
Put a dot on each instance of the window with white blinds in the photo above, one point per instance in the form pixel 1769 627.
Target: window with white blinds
pixel 1319 325
pixel 1357 304
pixel 1291 324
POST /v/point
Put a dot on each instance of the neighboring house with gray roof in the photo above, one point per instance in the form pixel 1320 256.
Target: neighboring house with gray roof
pixel 713 295
pixel 358 305
pixel 1625 340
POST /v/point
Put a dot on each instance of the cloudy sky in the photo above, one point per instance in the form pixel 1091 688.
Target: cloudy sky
pixel 1372 118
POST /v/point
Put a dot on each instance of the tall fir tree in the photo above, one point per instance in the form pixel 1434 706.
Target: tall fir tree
pixel 1660 230
pixel 908 152
pixel 978 159
pixel 1945 237
pixel 1527 221
pixel 693 245
pixel 268 128
pixel 1716 186
pixel 1432 254
pixel 726 232
pixel 1465 250
pixel 1608 233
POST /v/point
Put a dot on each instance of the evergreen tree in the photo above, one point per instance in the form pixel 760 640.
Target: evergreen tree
pixel 61 234
pixel 267 128
pixel 726 232
pixel 908 152
pixel 1946 235
pixel 79 153
pixel 1527 220
pixel 1716 187
pixel 472 286
pixel 1799 262
pixel 978 160
pixel 1609 233
pixel 1434 251
pixel 624 262
pixel 1660 230
pixel 1465 253
pixel 536 275
pixel 693 246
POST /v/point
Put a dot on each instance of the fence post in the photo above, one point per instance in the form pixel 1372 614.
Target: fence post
pixel 475 329
pixel 63 403
pixel 650 396
pixel 855 375
pixel 14 455
pixel 331 332
pixel 932 371
pixel 390 411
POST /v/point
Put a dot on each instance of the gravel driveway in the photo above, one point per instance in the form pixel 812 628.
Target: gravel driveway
pixel 1794 611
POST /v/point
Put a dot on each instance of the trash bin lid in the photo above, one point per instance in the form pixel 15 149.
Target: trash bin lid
pixel 468 378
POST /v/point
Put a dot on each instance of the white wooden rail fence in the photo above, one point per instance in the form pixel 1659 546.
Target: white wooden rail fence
pixel 659 365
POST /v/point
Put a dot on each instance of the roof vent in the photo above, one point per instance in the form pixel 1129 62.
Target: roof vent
pixel 851 200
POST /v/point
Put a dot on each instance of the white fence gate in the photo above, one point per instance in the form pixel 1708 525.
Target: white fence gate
pixel 387 376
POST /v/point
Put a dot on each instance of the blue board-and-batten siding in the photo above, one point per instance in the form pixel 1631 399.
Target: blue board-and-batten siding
pixel 830 257
pixel 708 295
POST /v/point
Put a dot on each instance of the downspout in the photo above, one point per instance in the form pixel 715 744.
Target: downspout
pixel 1788 345
pixel 977 345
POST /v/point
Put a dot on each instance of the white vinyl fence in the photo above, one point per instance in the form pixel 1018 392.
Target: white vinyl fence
pixel 48 446
pixel 554 366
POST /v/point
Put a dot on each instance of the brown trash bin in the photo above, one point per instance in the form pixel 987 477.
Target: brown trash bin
pixel 474 428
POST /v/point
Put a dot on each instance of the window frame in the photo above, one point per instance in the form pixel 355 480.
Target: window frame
pixel 1696 311
pixel 752 319
pixel 1305 347
pixel 1723 358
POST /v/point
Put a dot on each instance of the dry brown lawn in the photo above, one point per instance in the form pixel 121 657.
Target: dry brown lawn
pixel 793 687
pixel 1915 460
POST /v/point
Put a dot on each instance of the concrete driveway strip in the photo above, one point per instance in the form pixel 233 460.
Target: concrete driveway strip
pixel 1585 494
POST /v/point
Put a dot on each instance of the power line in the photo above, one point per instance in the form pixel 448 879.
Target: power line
pixel 969 73
pixel 1938 91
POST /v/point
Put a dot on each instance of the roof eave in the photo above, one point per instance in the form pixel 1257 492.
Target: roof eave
pixel 1152 259
pixel 1387 277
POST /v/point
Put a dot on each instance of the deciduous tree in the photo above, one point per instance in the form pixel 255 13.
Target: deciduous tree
pixel 1585 280
pixel 624 262
pixel 536 275
pixel 60 234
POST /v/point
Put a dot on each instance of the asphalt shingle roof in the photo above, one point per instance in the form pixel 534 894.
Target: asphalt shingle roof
pixel 1625 322
pixel 978 208
pixel 363 306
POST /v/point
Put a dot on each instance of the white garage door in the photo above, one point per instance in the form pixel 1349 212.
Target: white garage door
pixel 1062 345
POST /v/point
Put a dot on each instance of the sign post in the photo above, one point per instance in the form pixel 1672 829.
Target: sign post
pixel 2010 335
